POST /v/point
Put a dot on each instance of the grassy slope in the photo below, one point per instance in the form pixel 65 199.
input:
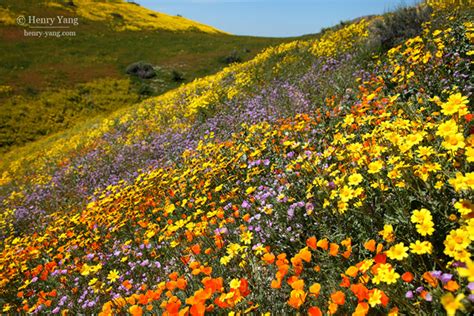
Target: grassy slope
pixel 31 66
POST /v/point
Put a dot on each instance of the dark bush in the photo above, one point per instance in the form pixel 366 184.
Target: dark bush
pixel 400 25
pixel 141 70
pixel 194 29
pixel 233 57
pixel 117 16
pixel 145 90
pixel 177 76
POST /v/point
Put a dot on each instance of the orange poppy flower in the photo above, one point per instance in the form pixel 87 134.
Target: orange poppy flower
pixel 346 282
pixel 311 242
pixel 269 258
pixel 314 311
pixel 196 249
pixel 451 286
pixel 173 276
pixel 181 283
pixel 323 244
pixel 206 270
pixel 384 300
pixel 244 287
pixel 297 298
pixel 296 284
pixel 338 298
pixel 305 254
pixel 370 245
pixel 197 309
pixel 407 277
pixel 430 279
pixel 315 289
pixel 276 284
pixel 332 308
pixel 362 309
pixel 215 285
pixel 173 305
pixel 135 310
pixel 352 271
pixel 360 291
pixel 380 258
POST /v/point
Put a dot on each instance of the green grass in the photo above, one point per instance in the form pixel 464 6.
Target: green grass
pixel 35 69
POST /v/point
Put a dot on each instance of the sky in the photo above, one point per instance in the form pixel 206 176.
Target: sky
pixel 273 18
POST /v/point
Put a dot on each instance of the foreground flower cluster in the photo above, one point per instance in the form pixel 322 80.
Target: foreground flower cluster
pixel 351 201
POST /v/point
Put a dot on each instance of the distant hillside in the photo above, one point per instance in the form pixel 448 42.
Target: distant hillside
pixel 51 83
pixel 129 16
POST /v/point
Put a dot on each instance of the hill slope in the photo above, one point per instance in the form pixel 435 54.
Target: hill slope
pixel 51 83
pixel 319 177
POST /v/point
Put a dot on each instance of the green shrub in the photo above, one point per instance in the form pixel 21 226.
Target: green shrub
pixel 394 28
pixel 233 57
pixel 177 76
pixel 141 69
pixel 145 90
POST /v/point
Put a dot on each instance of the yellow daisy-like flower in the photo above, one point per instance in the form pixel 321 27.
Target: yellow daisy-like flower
pixel 7 307
pixel 391 277
pixel 451 304
pixel 355 179
pixel 346 194
pixel 387 233
pixel 470 154
pixel 424 151
pixel 93 281
pixel 447 128
pixel 385 273
pixel 375 167
pixel 375 298
pixel 464 207
pixel 458 183
pixel 468 271
pixel 398 252
pixel 366 264
pixel 421 247
pixel 246 237
pixel 456 103
pixel 233 249
pixel 426 228
pixel 113 276
pixel 225 260
pixel 421 216
pixel 454 142
pixel 234 284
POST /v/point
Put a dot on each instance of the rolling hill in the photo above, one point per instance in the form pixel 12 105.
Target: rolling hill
pixel 51 83
pixel 326 176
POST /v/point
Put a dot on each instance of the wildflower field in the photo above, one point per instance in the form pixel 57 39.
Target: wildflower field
pixel 324 176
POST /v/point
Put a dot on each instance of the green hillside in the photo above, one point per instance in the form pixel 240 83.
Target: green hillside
pixel 50 84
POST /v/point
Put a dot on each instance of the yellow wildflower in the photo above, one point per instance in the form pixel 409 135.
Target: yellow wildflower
pixel 113 276
pixel 447 128
pixel 375 167
pixel 451 304
pixel 398 252
pixel 454 142
pixel 421 247
pixel 355 179
pixel 456 103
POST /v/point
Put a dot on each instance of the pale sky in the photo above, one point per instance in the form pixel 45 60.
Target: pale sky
pixel 277 18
